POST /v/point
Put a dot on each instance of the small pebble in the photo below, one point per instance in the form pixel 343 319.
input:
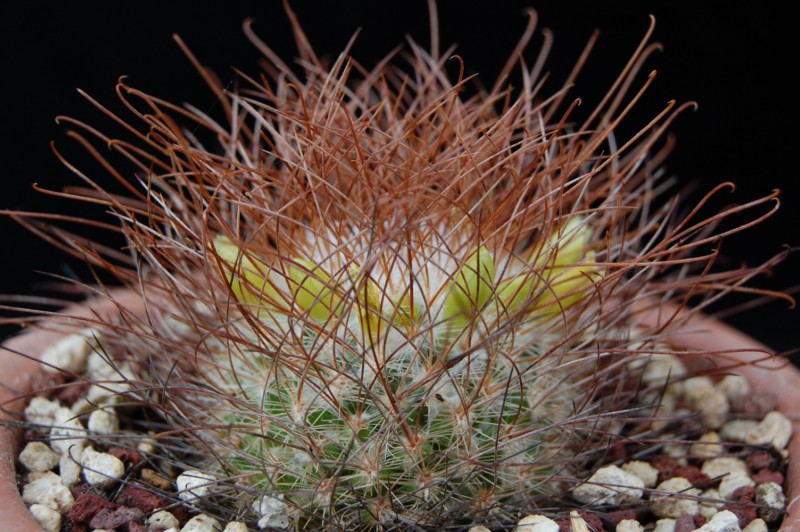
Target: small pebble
pixel 49 491
pixel 775 430
pixel 103 421
pixel 161 520
pixel 724 521
pixel 202 523
pixel 609 485
pixel 736 430
pixel 37 456
pixel 629 525
pixel 116 517
pixel 49 518
pixel 771 497
pixel 41 411
pixel 101 469
pixel 643 470
pixel 194 485
pixel 665 525
pixel 152 478
pixel 683 500
pixel 70 353
pixel 733 386
pixel 756 525
pixel 67 430
pixel 710 503
pixel 238 526
pixel 69 466
pixel 272 511
pixel 536 523
pixel 707 446
pixel 730 483
pixel 724 465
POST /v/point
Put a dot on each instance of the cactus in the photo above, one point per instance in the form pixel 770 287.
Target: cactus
pixel 380 301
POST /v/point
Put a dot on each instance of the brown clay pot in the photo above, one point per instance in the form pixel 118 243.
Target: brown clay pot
pixel 699 333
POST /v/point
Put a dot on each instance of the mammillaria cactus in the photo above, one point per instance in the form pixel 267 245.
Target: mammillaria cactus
pixel 384 297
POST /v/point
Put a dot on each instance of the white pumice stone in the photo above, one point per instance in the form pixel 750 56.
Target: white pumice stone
pixel 41 411
pixel 724 521
pixel 756 525
pixel 661 367
pixel 202 523
pixel 49 519
pixel 272 511
pixel 103 421
pixel 710 503
pixel 193 485
pixel 67 430
pixel 37 456
pixel 770 496
pixel 675 497
pixel 736 430
pixel 643 470
pixel 724 465
pixel 629 525
pixel 733 386
pixel 49 491
pixel 609 485
pixel 536 523
pixel 69 466
pixel 665 525
pixel 775 430
pixel 733 482
pixel 101 470
pixel 70 353
pixel 707 446
pixel 238 526
pixel 162 520
pixel 701 395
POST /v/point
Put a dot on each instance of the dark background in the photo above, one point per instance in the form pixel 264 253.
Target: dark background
pixel 733 61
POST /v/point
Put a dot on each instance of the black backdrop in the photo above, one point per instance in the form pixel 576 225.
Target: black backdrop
pixel 733 61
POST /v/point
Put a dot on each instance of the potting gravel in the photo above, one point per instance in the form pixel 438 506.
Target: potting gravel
pixel 85 467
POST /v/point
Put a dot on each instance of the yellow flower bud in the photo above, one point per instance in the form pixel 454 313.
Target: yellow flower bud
pixel 248 278
pixel 313 291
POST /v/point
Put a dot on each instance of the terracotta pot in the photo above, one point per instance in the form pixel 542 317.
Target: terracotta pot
pixel 700 333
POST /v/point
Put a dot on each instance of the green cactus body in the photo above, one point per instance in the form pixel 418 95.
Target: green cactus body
pixel 379 411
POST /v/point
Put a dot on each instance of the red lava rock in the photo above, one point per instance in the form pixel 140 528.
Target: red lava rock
pixel 760 460
pixel 71 392
pixel 699 520
pixel 694 476
pixel 141 498
pixel 593 521
pixel 620 515
pixel 87 505
pixel 685 523
pixel 115 518
pixel 564 525
pixel 618 451
pixel 765 475
pixel 45 383
pixel 666 466
pixel 744 512
pixel 744 494
pixel 126 454
pixel 133 526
